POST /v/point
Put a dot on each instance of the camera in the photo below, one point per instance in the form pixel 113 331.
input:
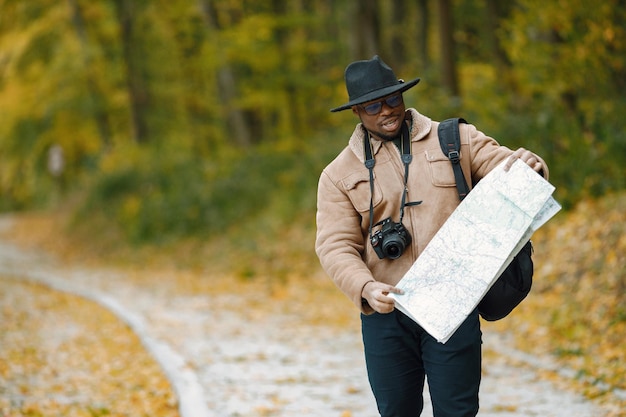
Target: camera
pixel 391 240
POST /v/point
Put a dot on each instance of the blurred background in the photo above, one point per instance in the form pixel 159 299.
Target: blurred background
pixel 196 130
pixel 166 119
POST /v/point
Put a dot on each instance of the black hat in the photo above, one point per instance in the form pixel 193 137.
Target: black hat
pixel 369 80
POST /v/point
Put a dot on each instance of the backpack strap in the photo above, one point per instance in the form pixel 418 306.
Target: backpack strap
pixel 513 285
pixel 450 142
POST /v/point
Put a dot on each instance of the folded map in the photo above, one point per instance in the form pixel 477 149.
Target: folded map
pixel 473 247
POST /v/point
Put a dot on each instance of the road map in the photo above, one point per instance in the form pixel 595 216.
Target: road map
pixel 473 247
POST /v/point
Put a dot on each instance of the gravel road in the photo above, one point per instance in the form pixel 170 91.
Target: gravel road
pixel 226 360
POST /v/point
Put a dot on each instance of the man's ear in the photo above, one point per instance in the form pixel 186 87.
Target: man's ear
pixel 355 111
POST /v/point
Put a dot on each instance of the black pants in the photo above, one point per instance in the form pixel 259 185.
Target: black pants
pixel 399 354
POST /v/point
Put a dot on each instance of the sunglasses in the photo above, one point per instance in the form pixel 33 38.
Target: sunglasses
pixel 375 108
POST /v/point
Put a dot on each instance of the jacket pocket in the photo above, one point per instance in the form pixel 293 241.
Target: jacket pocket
pixel 357 186
pixel 440 168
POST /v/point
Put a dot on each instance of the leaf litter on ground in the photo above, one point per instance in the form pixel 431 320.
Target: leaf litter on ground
pixel 575 314
pixel 61 355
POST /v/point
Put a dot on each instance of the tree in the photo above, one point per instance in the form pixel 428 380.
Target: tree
pixel 366 29
pixel 95 98
pixel 569 59
pixel 397 44
pixel 421 21
pixel 496 13
pixel 448 57
pixel 226 81
pixel 138 93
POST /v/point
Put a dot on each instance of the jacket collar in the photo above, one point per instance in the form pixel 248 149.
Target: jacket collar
pixel 420 127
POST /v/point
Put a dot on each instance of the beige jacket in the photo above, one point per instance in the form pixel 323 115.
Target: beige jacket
pixel 343 200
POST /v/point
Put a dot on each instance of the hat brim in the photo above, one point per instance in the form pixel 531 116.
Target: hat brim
pixel 400 87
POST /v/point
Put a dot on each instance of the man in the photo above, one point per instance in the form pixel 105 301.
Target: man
pixel 419 195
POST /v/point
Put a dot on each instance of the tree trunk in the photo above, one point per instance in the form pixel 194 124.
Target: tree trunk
pixel 494 16
pixel 398 41
pixel 422 41
pixel 95 95
pixel 448 59
pixel 227 86
pixel 137 91
pixel 367 30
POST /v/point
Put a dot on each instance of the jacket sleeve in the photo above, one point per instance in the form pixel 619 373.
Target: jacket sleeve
pixel 340 242
pixel 486 153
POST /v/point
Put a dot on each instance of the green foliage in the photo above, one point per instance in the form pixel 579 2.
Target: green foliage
pixel 166 107
pixel 569 60
pixel 559 92
pixel 154 198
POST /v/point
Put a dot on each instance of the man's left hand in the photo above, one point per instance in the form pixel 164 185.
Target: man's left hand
pixel 530 159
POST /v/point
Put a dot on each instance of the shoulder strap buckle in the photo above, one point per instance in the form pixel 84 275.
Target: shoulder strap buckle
pixel 450 142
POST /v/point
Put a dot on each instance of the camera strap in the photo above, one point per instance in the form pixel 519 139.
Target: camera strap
pixel 405 150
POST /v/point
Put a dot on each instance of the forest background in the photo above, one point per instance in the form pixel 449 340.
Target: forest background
pixel 185 117
pixel 197 129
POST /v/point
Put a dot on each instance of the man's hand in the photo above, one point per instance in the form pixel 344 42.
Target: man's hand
pixel 530 159
pixel 377 296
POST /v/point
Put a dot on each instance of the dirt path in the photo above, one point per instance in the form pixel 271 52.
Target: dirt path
pixel 225 359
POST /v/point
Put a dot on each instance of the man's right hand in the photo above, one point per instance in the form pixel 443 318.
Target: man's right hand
pixel 377 296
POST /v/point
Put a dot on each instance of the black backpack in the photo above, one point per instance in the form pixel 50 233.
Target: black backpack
pixel 514 284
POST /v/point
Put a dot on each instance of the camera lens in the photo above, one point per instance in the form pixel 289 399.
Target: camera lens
pixel 393 251
pixel 393 247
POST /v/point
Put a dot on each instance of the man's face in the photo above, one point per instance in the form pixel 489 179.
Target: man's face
pixel 382 117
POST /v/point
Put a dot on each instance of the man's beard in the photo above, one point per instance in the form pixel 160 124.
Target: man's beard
pixel 385 136
pixel 388 137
